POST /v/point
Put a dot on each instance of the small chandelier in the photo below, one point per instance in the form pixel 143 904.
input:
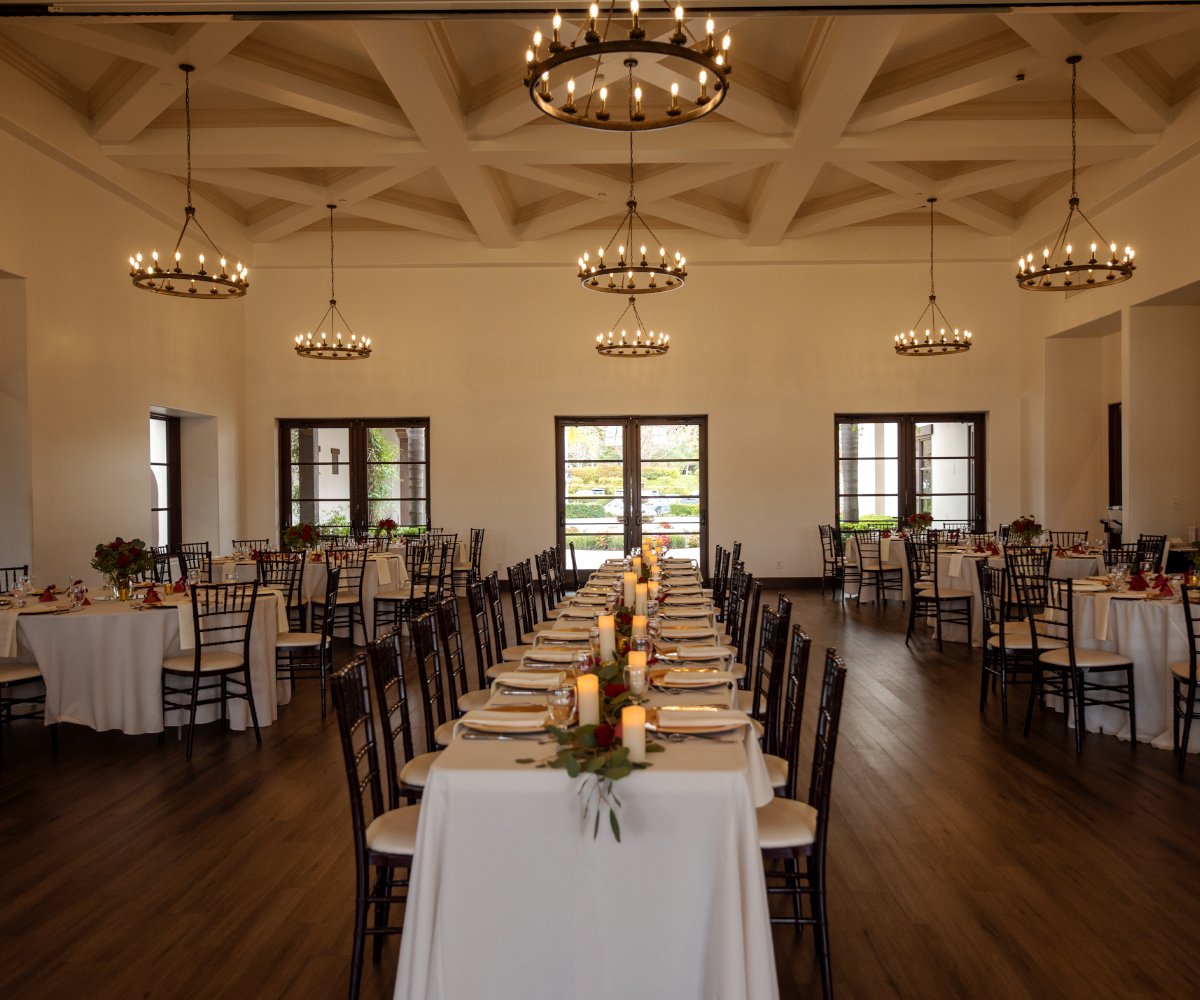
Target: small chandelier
pixel 335 350
pixel 597 58
pixel 637 277
pixel 175 280
pixel 1057 272
pixel 913 345
pixel 652 345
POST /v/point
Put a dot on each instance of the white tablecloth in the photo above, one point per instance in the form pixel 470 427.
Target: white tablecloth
pixel 1153 634
pixel 511 897
pixel 102 666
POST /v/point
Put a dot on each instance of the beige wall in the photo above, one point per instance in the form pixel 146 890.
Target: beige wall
pixel 100 355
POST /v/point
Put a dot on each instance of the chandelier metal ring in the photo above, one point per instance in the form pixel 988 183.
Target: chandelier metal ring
pixel 1057 272
pixel 652 345
pixel 707 63
pixel 319 347
pixel 151 276
pixel 912 345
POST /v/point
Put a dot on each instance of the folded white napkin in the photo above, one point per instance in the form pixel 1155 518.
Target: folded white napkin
pixel 547 679
pixel 578 615
pixel 955 567
pixel 684 589
pixel 554 635
pixel 677 600
pixel 669 613
pixel 699 654
pixel 542 655
pixel 492 718
pixel 589 600
pixel 8 633
pixel 1103 630
pixel 696 678
pixel 699 717
pixel 383 570
pixel 670 632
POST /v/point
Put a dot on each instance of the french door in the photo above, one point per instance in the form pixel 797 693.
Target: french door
pixel 893 465
pixel 620 478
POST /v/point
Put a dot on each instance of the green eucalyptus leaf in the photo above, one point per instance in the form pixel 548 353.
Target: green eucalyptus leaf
pixel 615 824
pixel 615 772
pixel 572 765
pixel 524 760
pixel 654 748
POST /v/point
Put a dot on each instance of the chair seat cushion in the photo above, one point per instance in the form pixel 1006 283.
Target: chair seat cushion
pixel 744 701
pixel 1022 640
pixel 529 637
pixel 415 773
pixel 946 594
pixel 1183 670
pixel 14 673
pixel 444 734
pixel 777 770
pixel 345 597
pixel 395 831
pixel 211 662
pixel 786 823
pixel 543 626
pixel 473 699
pixel 297 640
pixel 1086 659
pixel 415 593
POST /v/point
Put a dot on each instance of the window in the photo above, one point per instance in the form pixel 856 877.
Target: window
pixel 892 465
pixel 620 478
pixel 166 515
pixel 344 474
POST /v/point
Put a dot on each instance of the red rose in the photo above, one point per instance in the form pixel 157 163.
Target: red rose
pixel 604 735
pixel 115 545
pixel 614 690
pixel 135 552
pixel 122 560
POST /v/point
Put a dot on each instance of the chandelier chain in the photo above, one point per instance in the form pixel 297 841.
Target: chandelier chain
pixel 1074 72
pixel 931 294
pixel 332 296
pixel 187 119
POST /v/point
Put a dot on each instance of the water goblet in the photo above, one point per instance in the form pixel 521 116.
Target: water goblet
pixel 560 703
pixel 635 682
pixel 584 661
pixel 594 641
pixel 640 643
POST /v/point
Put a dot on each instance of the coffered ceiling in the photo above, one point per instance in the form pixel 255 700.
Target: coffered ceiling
pixel 421 123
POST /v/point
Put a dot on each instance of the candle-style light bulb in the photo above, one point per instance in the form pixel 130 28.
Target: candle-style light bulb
pixel 703 87
pixel 708 31
pixel 637 104
pixel 674 108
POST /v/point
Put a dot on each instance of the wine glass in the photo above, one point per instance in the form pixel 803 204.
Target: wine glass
pixel 635 682
pixel 594 641
pixel 584 661
pixel 560 703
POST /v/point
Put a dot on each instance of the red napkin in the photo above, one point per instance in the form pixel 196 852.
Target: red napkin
pixel 316 557
pixel 992 550
pixel 152 596
pixel 1138 582
pixel 1060 553
pixel 180 586
pixel 86 603
pixel 885 534
pixel 1077 549
pixel 47 595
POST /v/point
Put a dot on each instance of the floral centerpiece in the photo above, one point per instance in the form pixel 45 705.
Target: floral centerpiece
pixel 1025 529
pixel 922 520
pixel 300 536
pixel 386 526
pixel 596 752
pixel 120 560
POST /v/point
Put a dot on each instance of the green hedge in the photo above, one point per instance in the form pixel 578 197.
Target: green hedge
pixel 584 508
pixel 685 510
pixel 870 522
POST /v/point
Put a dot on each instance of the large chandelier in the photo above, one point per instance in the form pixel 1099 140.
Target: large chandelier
pixel 168 280
pixel 650 344
pixel 911 343
pixel 336 349
pixel 1057 272
pixel 632 273
pixel 604 57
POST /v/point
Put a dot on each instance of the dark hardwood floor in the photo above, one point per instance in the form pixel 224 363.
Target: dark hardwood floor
pixel 965 860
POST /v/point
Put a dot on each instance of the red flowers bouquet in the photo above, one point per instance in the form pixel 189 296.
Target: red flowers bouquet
pixel 1025 528
pixel 386 526
pixel 120 559
pixel 920 521
pixel 300 536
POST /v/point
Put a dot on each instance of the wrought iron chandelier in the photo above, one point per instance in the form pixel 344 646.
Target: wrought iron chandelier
pixel 1057 272
pixel 913 345
pixel 604 56
pixel 650 345
pixel 336 349
pixel 629 275
pixel 168 280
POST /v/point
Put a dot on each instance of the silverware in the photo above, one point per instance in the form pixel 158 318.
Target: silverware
pixel 505 737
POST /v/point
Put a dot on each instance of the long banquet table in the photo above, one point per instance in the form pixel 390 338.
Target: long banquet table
pixel 512 896
pixel 102 665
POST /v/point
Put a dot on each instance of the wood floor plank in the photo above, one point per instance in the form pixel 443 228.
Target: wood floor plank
pixel 965 860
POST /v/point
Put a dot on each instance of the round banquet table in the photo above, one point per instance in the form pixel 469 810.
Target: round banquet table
pixel 102 665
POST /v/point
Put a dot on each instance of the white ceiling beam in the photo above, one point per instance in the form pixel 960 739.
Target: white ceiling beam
pixel 130 41
pixel 283 222
pixel 840 83
pixel 414 218
pixel 1054 36
pixel 971 212
pixel 991 140
pixel 270 83
pixel 873 207
pixel 978 80
pixel 712 221
pixel 1129 31
pixel 408 59
pixel 153 89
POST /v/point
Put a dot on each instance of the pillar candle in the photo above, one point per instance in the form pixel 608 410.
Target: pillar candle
pixel 637 658
pixel 637 565
pixel 652 590
pixel 587 687
pixel 652 558
pixel 608 637
pixel 639 599
pixel 630 580
pixel 633 732
pixel 639 625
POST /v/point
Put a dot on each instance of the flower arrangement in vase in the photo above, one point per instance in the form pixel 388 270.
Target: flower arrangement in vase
pixel 920 521
pixel 386 527
pixel 120 560
pixel 300 536
pixel 1025 529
